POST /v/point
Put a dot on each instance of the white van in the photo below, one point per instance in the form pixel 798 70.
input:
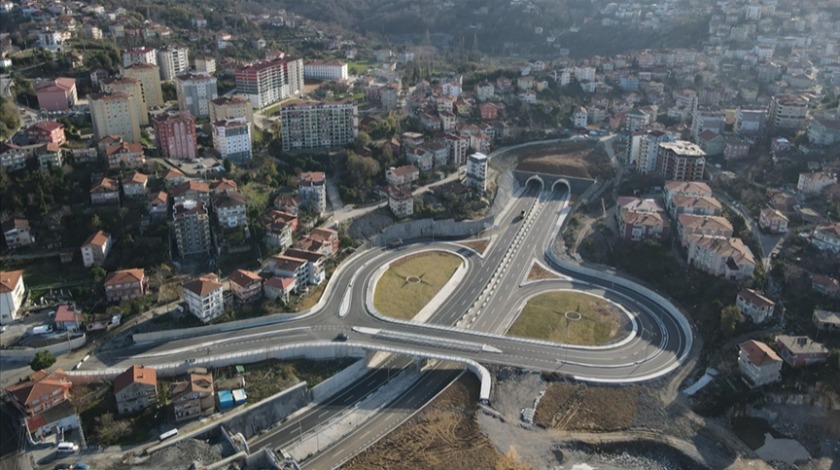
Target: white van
pixel 66 447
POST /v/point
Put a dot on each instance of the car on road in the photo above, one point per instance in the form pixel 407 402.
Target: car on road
pixel 340 337
pixel 66 447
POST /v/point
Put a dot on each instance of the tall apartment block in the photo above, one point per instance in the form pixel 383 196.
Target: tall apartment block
pixel 140 55
pixel 132 87
pixel 149 76
pixel 231 107
pixel 312 190
pixel 115 114
pixel 232 139
pixel 681 161
pixel 173 61
pixel 195 90
pixel 191 224
pixel 176 135
pixel 312 124
pixel 477 172
pixel 270 81
pixel 788 112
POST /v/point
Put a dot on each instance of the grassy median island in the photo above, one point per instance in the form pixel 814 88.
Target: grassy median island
pixel 411 282
pixel 571 318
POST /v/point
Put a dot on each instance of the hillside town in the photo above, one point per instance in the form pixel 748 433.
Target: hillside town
pixel 165 168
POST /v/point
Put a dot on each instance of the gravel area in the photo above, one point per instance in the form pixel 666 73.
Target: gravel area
pixel 370 224
pixel 181 456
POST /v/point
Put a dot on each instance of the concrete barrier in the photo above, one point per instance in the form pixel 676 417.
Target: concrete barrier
pixel 26 355
pixel 329 387
pixel 430 228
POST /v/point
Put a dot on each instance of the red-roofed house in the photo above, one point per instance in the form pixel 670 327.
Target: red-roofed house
pixel 204 297
pixel 245 285
pixel 12 293
pixel 705 225
pixel 402 176
pixel 639 226
pixel 68 318
pixel 57 95
pixel 96 249
pixel 106 191
pixel 759 364
pixel 279 288
pixel 328 237
pixel 193 396
pixel 754 305
pixel 125 154
pixel 721 256
pixel 158 206
pixel 135 185
pixel 135 389
pixel 125 284
pixel 827 237
pixel 825 285
pixel 287 266
pixel 773 221
pixel 40 391
pixel 46 132
pixel 17 233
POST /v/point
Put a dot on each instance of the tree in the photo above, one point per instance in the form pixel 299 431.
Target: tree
pixel 43 360
pixel 730 317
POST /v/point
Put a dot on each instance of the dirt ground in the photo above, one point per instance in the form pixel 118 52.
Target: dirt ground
pixel 538 272
pixel 587 408
pixel 478 245
pixel 582 160
pixel 445 434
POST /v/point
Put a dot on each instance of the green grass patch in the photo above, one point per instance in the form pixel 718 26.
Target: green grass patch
pixel 49 272
pixel 545 317
pixel 256 194
pixel 411 282
pixel 358 67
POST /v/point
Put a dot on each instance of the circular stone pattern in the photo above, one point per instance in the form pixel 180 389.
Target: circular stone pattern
pixel 412 281
pixel 571 318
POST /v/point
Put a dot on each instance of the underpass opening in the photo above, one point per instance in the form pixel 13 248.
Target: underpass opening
pixel 565 186
pixel 535 179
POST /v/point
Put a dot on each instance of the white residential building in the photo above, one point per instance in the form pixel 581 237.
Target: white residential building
pixel 759 364
pixel 312 190
pixel 12 293
pixel 325 70
pixel 96 249
pixel 477 172
pixel 195 91
pixel 140 55
pixel 311 125
pixel 811 184
pixel 173 61
pixel 232 139
pixel 204 297
pixel 754 305
pixel 580 117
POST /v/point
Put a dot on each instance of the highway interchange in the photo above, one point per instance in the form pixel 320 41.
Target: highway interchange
pixel 483 304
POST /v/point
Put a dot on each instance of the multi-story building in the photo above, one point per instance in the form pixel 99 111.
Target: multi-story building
pixel 749 121
pixel 191 189
pixel 134 186
pixel 135 389
pixel 312 190
pixel 46 132
pixel 125 155
pixel 195 91
pixel 824 130
pixel 105 191
pixel 149 76
pixel 401 202
pixel 325 70
pixel 204 297
pixel 206 64
pixel 759 364
pixel 290 267
pixel 402 176
pixel 39 392
pixel 173 61
pixel 115 114
pixel 810 184
pixel 13 157
pixel 56 95
pixel 140 55
pixel 230 209
pixel 17 233
pixel 313 272
pixel 125 284
pixel 643 150
pixel 707 119
pixel 695 205
pixel 477 172
pixel 191 224
pixel 312 125
pixel 270 81
pixel 245 285
pixel 232 139
pixel 96 248
pixel 826 237
pixel 193 396
pixel 580 118
pixel 12 294
pixel 132 87
pixel 681 161
pixel 788 112
pixel 176 135
pixel 800 351
pixel 773 221
pixel 725 257
pixel 754 305
pixel 158 205
pixel 236 106
pixel 638 226
pixel 703 225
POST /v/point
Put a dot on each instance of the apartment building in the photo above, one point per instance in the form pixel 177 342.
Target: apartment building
pixel 135 389
pixel 176 135
pixel 12 294
pixel 56 95
pixel 125 284
pixel 759 364
pixel 788 112
pixel 270 81
pixel 314 125
pixel 204 297
pixel 245 285
pixel 477 172
pixel 232 139
pixel 173 61
pixel 139 55
pixel 312 190
pixel 115 114
pixel 681 161
pixel 325 70
pixel 754 305
pixel 96 248
pixel 236 106
pixel 193 395
pixel 191 223
pixel 643 150
pixel 195 91
pixel 149 76
pixel 132 87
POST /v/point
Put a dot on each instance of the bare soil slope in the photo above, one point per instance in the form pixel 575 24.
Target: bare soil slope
pixel 579 160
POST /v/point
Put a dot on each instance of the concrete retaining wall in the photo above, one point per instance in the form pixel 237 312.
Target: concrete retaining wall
pixel 26 355
pixel 268 412
pixel 329 387
pixel 430 228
